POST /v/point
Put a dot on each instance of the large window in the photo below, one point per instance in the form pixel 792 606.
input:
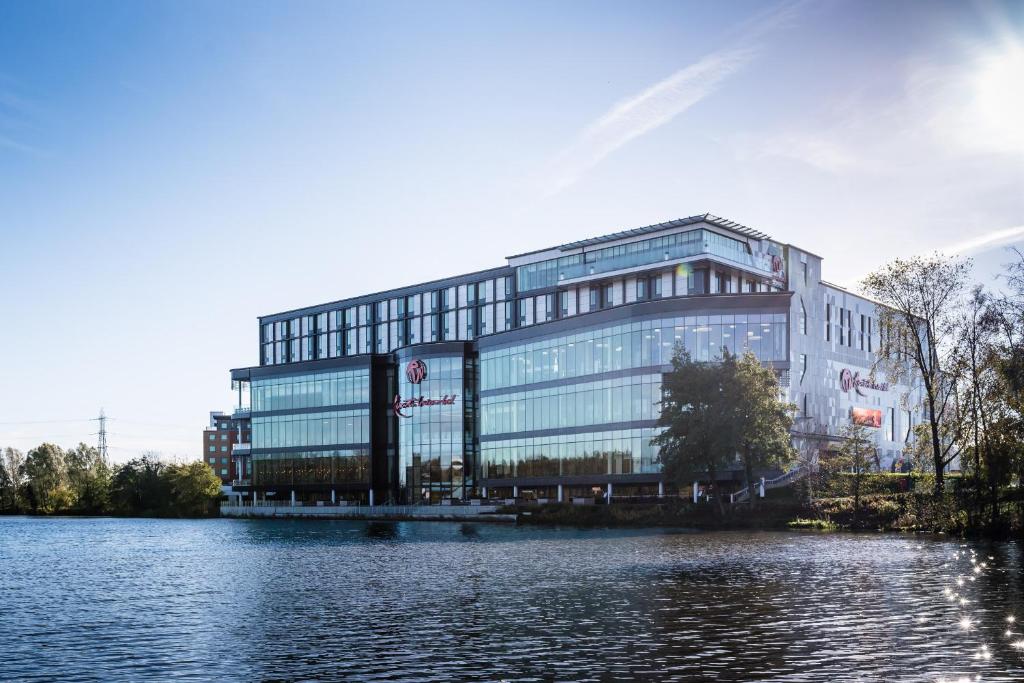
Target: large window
pixel 627 451
pixel 666 247
pixel 315 390
pixel 634 345
pixel 437 441
pixel 335 466
pixel 311 429
pixel 622 399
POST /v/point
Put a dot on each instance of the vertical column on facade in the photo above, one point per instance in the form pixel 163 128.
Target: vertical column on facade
pixel 483 492
pixel 696 491
pixel 371 497
pixel 333 497
pixel 661 489
pixel 609 492
pixel 515 491
pixel 762 487
pixel 293 497
pixel 559 493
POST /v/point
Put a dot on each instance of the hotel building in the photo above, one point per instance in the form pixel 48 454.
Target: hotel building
pixel 542 376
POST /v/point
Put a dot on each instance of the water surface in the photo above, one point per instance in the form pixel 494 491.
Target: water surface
pixel 261 600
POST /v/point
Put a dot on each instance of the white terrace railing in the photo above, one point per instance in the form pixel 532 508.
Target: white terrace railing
pixel 784 479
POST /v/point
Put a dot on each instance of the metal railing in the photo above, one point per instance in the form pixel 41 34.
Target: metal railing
pixel 368 510
pixel 784 479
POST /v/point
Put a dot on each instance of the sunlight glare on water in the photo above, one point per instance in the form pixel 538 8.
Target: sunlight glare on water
pixel 128 600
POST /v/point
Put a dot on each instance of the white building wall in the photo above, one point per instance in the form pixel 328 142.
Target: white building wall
pixel 819 389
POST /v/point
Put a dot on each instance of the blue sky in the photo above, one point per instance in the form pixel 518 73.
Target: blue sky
pixel 171 170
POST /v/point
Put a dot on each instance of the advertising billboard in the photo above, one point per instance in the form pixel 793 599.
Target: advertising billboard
pixel 866 416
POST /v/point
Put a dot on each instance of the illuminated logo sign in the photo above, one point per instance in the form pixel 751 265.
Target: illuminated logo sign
pixel 867 417
pixel 400 405
pixel 416 371
pixel 852 380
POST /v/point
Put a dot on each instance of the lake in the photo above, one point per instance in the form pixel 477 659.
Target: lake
pixel 260 600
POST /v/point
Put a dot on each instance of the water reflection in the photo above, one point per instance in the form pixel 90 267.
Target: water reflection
pixel 286 600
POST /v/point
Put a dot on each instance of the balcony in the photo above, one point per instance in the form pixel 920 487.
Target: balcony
pixel 241 413
pixel 242 448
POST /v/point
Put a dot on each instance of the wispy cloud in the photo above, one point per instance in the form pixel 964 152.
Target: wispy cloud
pixel 8 143
pixel 990 240
pixel 658 104
pixel 17 114
pixel 642 113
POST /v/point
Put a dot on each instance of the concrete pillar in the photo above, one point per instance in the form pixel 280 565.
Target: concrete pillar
pixel 661 489
pixel 333 497
pixel 371 497
pixel 609 497
pixel 515 491
pixel 762 487
pixel 293 497
pixel 254 496
pixel 483 492
pixel 559 493
pixel 696 491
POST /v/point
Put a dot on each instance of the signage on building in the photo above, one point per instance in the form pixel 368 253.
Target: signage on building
pixel 778 265
pixel 400 405
pixel 849 379
pixel 868 417
pixel 416 371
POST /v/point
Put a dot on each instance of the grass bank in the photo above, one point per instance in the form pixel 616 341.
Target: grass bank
pixel 911 511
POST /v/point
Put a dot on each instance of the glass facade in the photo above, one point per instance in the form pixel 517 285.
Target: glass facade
pixel 459 312
pixel 314 390
pixel 326 413
pixel 611 388
pixel 315 429
pixel 631 345
pixel 436 431
pixel 626 451
pixel 621 399
pixel 643 252
pixel 332 467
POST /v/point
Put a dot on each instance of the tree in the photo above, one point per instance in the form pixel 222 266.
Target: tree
pixel 695 421
pixel 919 319
pixel 89 478
pixel 1004 456
pixel 856 452
pixel 972 359
pixel 47 479
pixel 193 487
pixel 11 478
pixel 760 420
pixel 138 487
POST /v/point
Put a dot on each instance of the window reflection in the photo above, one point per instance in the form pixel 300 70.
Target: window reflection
pixel 614 452
pixel 634 345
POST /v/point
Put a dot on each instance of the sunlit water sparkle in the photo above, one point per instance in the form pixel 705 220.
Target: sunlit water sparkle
pixel 128 600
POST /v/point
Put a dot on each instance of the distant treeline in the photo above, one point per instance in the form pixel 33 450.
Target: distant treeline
pixel 51 480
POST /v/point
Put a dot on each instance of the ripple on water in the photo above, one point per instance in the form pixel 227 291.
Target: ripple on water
pixel 111 600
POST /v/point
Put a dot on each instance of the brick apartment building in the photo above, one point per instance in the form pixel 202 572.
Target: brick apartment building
pixel 225 441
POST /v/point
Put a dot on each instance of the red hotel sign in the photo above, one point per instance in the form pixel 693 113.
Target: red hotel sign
pixel 400 404
pixel 416 371
pixel 851 380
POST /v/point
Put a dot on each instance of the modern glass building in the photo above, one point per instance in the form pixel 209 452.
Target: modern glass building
pixel 542 377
